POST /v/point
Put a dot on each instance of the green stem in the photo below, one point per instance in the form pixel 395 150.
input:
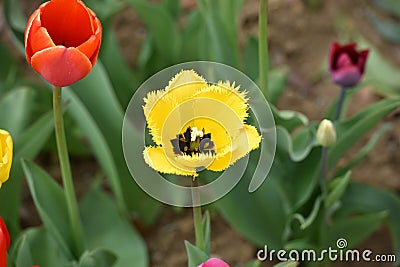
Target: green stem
pixel 263 56
pixel 72 204
pixel 197 216
pixel 339 104
pixel 324 169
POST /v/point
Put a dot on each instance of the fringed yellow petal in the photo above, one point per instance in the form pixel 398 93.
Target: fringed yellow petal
pixel 156 159
pixel 160 103
pixel 195 161
pixel 185 77
pixel 184 85
pixel 229 95
pixel 246 140
pixel 157 114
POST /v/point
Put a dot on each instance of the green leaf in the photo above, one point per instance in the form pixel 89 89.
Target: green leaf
pixel 345 227
pixel 196 36
pixel 296 176
pixel 391 6
pixel 97 143
pixel 300 146
pixel 97 258
pixel 251 64
pixel 16 22
pixel 289 119
pixel 351 130
pixel 161 26
pixel 97 95
pixel 389 30
pixel 21 253
pixel 306 222
pixel 220 19
pixel 207 232
pixel 105 228
pixel 195 255
pixel 364 198
pixel 121 77
pixel 30 248
pixel 336 189
pixel 363 153
pixel 299 244
pixel 50 202
pixel 250 213
pixel 287 264
pixel 17 117
pixel 381 73
pixel 104 9
pixel 173 6
pixel 8 68
pixel 26 145
pixel 255 263
pixel 277 79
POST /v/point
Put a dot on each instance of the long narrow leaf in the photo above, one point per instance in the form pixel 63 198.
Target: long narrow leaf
pixel 98 144
pixel 27 145
pixel 353 129
pixel 53 213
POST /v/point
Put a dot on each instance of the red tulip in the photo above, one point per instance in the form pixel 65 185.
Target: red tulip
pixel 346 64
pixel 214 262
pixel 4 243
pixel 62 41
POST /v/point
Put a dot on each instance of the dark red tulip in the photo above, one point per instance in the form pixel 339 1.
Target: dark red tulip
pixel 62 41
pixel 346 64
pixel 4 243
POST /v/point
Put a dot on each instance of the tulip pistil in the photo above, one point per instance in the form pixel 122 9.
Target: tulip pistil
pixel 193 141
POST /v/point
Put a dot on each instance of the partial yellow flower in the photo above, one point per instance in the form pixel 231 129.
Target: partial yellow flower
pixel 6 153
pixel 196 125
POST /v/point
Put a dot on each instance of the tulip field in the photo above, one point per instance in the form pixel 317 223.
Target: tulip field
pixel 199 133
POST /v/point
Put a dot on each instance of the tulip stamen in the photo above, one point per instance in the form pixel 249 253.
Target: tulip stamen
pixel 193 142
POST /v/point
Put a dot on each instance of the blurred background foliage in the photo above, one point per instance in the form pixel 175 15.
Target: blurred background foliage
pixel 287 211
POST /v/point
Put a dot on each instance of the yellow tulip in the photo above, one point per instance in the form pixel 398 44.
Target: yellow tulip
pixel 6 153
pixel 197 125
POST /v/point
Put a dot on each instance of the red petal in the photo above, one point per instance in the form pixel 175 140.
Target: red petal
pixel 362 59
pixel 61 66
pixel 3 250
pixel 332 54
pixel 68 22
pixel 38 37
pixel 92 46
pixel 28 51
pixel 4 242
pixel 3 228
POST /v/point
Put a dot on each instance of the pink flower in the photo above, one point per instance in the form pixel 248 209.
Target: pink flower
pixel 214 262
pixel 346 64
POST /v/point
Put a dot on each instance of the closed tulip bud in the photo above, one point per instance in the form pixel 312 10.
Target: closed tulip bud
pixel 6 153
pixel 346 64
pixel 62 41
pixel 214 262
pixel 326 133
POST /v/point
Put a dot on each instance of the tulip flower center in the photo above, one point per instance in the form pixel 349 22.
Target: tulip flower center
pixel 343 61
pixel 193 141
pixel 67 21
